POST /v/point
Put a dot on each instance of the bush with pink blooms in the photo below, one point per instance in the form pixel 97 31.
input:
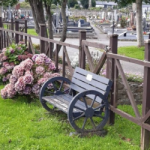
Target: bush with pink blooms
pixel 28 77
pixel 10 57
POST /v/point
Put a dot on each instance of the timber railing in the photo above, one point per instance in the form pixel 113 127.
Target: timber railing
pixel 114 69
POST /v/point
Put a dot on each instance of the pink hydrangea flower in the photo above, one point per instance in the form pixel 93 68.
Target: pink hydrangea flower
pixel 13 79
pixel 42 81
pixel 40 70
pixel 3 70
pixel 18 71
pixel 36 89
pixel 11 91
pixel 8 76
pixel 55 75
pixel 28 79
pixel 27 64
pixel 4 50
pixel 47 75
pixel 34 56
pixel 39 60
pixel 48 61
pixel 27 90
pixel 52 66
pixel 4 93
pixel 4 58
pixel 4 79
pixel 43 55
pixel 20 84
pixel 29 72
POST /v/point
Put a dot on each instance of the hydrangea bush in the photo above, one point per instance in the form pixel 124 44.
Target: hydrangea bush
pixel 28 77
pixel 10 57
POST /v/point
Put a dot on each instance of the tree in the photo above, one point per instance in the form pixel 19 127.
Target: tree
pixel 72 3
pixel 85 3
pixel 139 28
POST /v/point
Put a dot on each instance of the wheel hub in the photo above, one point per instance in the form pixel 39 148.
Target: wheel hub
pixel 89 112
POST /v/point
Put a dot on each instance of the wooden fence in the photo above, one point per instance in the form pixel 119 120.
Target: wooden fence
pixel 114 69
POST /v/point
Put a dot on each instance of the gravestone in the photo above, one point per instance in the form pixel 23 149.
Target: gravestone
pixel 57 20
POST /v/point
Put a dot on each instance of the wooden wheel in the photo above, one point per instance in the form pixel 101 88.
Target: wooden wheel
pixel 88 111
pixel 54 86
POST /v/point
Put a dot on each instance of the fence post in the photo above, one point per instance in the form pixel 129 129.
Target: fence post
pixel 112 73
pixel 82 36
pixel 1 34
pixel 17 29
pixel 12 26
pixel 145 134
pixel 26 28
pixel 42 34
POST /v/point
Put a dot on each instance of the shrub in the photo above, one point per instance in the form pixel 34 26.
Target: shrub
pixel 28 77
pixel 10 57
pixel 123 22
pixel 53 6
pixel 77 6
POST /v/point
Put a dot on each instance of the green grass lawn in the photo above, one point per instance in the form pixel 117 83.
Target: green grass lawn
pixel 132 51
pixel 25 126
pixel 32 32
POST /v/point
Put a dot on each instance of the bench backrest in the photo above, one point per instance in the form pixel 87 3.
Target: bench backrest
pixel 84 80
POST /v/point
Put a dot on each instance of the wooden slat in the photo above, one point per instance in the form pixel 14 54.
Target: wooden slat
pixel 128 90
pixel 68 61
pixel 146 126
pixel 64 64
pixel 82 89
pixel 125 115
pixel 94 83
pixel 94 44
pixel 89 58
pixel 87 86
pixel 136 61
pixel 95 77
pixel 31 45
pixel 146 116
pixel 100 63
pixel 42 38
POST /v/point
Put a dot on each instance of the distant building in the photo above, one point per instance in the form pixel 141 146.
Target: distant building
pixel 105 4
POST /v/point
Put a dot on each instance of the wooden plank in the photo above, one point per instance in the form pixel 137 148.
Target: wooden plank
pixel 95 77
pixel 94 44
pixel 86 85
pixel 42 38
pixel 31 45
pixel 146 126
pixel 136 61
pixel 94 83
pixel 146 116
pixel 89 58
pixel 68 61
pixel 64 64
pixel 82 89
pixel 128 90
pixel 100 63
pixel 125 115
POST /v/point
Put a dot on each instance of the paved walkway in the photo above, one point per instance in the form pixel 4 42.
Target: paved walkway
pixel 102 38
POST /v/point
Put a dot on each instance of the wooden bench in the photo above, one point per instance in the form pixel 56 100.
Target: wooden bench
pixel 83 99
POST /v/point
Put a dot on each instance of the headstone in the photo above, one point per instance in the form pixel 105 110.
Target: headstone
pixel 54 19
pixel 103 15
pixel 57 20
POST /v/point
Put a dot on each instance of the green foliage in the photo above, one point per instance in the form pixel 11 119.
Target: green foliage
pixel 72 3
pixel 123 22
pixel 24 5
pixel 53 6
pixel 32 128
pixel 76 18
pixel 132 51
pixel 7 2
pixel 77 6
pixel 85 3
pixel 13 51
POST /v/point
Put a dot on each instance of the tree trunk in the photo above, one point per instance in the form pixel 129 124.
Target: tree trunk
pixel 139 27
pixel 63 13
pixel 37 28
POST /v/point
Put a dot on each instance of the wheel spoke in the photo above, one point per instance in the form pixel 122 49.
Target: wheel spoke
pixel 61 85
pixel 99 107
pixel 79 108
pixel 93 101
pixel 79 117
pixel 85 120
pixel 98 115
pixel 85 102
pixel 92 122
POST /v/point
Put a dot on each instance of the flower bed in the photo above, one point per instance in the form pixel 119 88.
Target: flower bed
pixel 28 77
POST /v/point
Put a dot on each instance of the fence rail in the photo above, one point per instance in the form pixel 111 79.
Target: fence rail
pixel 114 68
